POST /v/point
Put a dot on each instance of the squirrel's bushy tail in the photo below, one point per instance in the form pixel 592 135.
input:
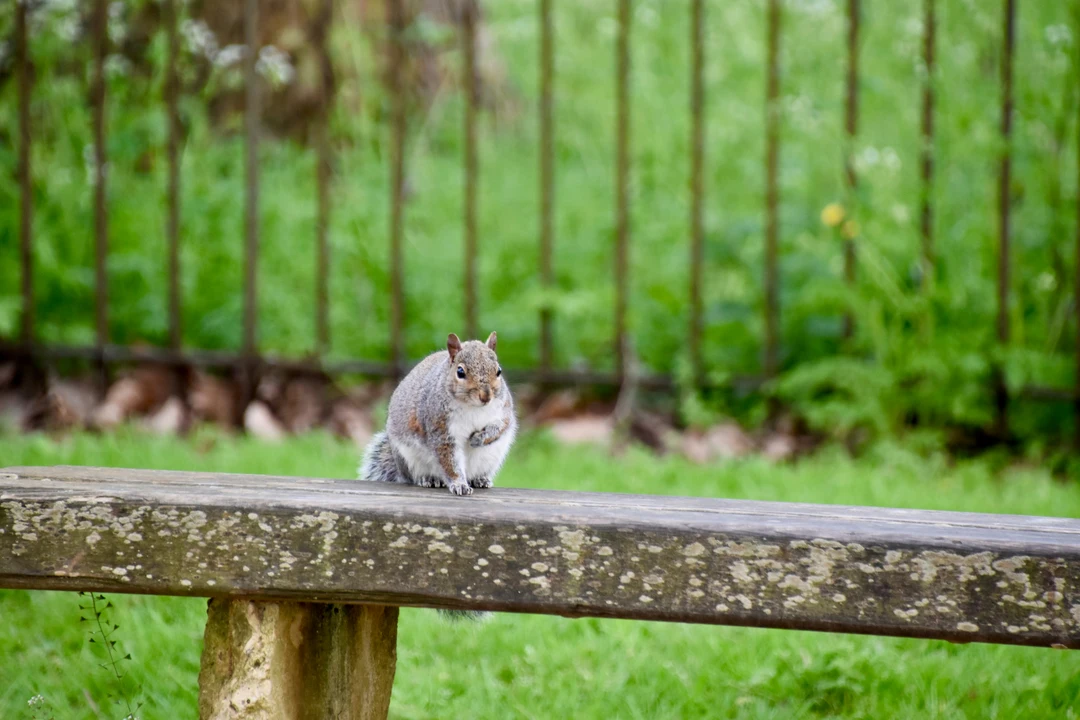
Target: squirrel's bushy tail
pixel 378 464
pixel 465 615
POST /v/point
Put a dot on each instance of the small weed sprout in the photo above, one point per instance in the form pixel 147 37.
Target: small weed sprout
pixel 102 633
pixel 37 704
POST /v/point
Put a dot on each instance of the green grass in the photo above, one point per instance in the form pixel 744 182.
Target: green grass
pixel 542 667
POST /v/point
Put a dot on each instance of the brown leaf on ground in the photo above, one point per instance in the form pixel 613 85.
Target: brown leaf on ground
pixel 141 391
pixel 352 422
pixel 170 418
pixel 726 441
pixel 557 406
pixel 779 447
pixel 654 430
pixel 260 422
pixel 585 429
pixel 213 399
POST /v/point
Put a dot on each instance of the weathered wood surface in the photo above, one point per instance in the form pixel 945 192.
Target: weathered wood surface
pixel 297 661
pixel 958 576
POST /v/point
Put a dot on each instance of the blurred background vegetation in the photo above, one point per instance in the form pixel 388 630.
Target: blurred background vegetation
pixel 922 358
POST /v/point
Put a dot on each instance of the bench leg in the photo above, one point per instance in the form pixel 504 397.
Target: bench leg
pixel 297 661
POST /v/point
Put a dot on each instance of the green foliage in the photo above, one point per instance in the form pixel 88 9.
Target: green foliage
pixel 839 395
pixel 928 341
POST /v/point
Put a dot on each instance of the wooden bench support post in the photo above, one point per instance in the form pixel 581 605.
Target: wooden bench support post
pixel 297 661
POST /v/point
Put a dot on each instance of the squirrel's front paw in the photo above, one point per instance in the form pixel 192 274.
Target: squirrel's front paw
pixel 476 439
pixel 481 482
pixel 460 487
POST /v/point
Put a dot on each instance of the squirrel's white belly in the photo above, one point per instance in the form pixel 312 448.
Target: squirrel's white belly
pixel 482 461
pixel 465 421
pixel 485 461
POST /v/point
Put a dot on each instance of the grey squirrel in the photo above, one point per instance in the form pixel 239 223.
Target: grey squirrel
pixel 450 424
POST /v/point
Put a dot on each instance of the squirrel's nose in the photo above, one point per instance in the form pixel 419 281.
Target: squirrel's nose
pixel 485 396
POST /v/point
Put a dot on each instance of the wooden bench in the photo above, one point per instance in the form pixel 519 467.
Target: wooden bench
pixel 306 575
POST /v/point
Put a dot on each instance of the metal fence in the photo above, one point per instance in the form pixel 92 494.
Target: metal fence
pixel 249 359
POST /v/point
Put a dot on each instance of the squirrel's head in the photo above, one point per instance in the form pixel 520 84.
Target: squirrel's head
pixel 475 377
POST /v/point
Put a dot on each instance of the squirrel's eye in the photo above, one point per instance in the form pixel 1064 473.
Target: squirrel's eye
pixel 461 372
pixel 498 373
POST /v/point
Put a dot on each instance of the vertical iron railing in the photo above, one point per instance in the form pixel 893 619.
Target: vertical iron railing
pixel 1001 394
pixel 547 178
pixel 468 25
pixel 100 34
pixel 397 184
pixel 172 225
pixel 622 179
pixel 322 182
pixel 851 129
pixel 252 122
pixel 697 183
pixel 926 168
pixel 1076 292
pixel 772 191
pixel 26 255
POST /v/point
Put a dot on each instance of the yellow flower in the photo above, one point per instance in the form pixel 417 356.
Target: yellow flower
pixel 850 230
pixel 832 214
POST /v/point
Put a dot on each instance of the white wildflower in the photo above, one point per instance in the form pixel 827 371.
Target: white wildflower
pixel 61 7
pixel 116 26
pixel 199 38
pixel 117 66
pixel 814 7
pixel 36 700
pixel 68 28
pixel 646 16
pixel 867 158
pixel 891 160
pixel 1045 282
pixel 90 164
pixel 230 55
pixel 1058 35
pixel 274 65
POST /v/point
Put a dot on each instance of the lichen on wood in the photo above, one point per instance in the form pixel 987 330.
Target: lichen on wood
pixel 958 576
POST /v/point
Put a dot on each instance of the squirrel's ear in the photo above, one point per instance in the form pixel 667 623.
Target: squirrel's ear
pixel 491 340
pixel 453 344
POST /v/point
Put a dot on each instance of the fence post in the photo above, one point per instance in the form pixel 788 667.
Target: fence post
pixel 622 179
pixel 322 181
pixel 772 192
pixel 851 129
pixel 22 60
pixel 101 223
pixel 252 111
pixel 1001 392
pixel 1076 309
pixel 397 183
pixel 697 183
pixel 547 177
pixel 926 214
pixel 469 12
pixel 297 661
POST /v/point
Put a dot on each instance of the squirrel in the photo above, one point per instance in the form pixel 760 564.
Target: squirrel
pixel 450 424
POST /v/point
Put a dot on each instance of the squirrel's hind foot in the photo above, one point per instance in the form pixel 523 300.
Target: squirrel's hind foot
pixel 430 482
